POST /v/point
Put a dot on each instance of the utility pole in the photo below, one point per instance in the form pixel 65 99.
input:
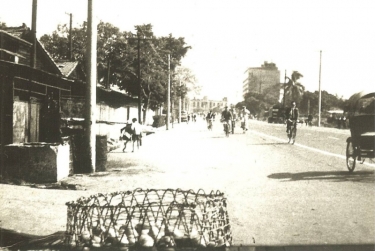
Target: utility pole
pixel 139 79
pixel 169 92
pixel 90 116
pixel 179 104
pixel 70 52
pixel 320 92
pixel 284 90
pixel 308 107
pixel 33 33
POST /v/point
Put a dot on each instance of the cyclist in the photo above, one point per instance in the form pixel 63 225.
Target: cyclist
pixel 209 119
pixel 226 117
pixel 291 122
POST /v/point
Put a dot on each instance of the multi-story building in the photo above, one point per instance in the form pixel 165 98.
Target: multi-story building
pixel 204 105
pixel 260 78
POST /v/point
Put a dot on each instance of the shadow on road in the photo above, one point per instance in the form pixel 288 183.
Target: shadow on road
pixel 12 240
pixel 336 176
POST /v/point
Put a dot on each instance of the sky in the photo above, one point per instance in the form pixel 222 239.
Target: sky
pixel 229 36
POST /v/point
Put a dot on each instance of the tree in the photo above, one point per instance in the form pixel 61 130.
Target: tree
pixel 118 57
pixel 254 101
pixel 293 89
pixel 329 102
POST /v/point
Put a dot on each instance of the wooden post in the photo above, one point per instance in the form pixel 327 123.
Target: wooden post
pixel 179 105
pixel 90 118
pixel 168 92
pixel 320 92
pixel 139 81
pixel 33 32
pixel 70 38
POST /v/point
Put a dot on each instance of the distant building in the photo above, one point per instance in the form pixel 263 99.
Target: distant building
pixel 204 105
pixel 260 78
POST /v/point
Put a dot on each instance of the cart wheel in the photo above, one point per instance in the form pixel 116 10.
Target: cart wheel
pixel 350 156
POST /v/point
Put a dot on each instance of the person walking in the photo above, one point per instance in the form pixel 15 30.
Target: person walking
pixel 209 119
pixel 137 133
pixel 234 118
pixel 244 114
pixel 126 133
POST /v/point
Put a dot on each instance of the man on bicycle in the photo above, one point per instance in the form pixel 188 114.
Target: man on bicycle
pixel 226 117
pixel 291 122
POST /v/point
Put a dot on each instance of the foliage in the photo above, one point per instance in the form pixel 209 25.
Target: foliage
pixel 159 121
pixel 256 103
pixel 329 102
pixel 293 89
pixel 117 58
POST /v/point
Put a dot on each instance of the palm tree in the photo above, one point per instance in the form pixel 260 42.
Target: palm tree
pixel 293 89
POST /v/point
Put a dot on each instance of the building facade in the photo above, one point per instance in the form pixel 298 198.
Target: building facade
pixel 204 105
pixel 261 78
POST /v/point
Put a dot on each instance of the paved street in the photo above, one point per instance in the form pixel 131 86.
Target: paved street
pixel 278 194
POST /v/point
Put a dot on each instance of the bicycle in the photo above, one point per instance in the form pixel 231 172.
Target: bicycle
pixel 292 130
pixel 226 128
pixel 209 121
pixel 233 125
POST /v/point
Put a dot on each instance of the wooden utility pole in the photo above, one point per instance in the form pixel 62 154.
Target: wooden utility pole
pixel 90 116
pixel 179 104
pixel 33 33
pixel 169 92
pixel 284 90
pixel 70 56
pixel 320 91
pixel 139 80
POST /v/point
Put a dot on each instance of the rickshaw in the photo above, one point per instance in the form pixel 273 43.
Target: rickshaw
pixel 361 115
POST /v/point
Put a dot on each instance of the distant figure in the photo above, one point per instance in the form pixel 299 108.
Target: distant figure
pixel 137 133
pixel 194 118
pixel 309 119
pixel 188 118
pixel 126 133
pixel 209 119
pixel 226 116
pixel 244 115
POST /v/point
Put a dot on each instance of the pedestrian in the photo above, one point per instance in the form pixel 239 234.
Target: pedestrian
pixel 234 118
pixel 309 119
pixel 126 133
pixel 188 119
pixel 209 119
pixel 137 133
pixel 244 115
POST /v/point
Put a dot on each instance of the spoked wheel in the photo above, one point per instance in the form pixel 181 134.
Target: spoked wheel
pixel 227 130
pixel 350 156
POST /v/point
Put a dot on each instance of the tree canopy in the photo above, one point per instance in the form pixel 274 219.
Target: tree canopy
pixel 117 58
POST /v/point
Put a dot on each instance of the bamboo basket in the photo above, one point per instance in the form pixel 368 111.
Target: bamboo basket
pixel 161 218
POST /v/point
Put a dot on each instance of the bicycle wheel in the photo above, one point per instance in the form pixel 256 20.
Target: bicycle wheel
pixel 350 156
pixel 293 133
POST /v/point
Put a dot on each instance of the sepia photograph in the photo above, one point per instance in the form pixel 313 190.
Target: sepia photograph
pixel 243 125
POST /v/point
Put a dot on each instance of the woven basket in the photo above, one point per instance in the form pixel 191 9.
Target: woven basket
pixel 149 218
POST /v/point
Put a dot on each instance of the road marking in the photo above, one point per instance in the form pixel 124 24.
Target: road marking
pixel 306 147
pixel 330 137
